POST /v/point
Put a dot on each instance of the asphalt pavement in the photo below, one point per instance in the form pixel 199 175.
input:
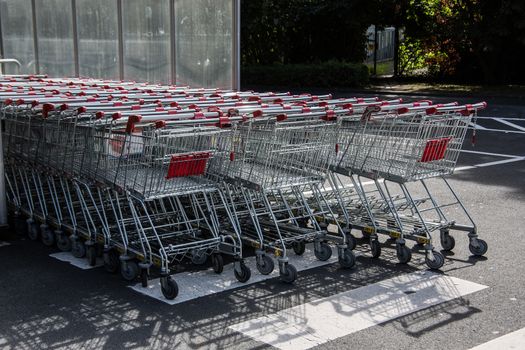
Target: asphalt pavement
pixel 48 303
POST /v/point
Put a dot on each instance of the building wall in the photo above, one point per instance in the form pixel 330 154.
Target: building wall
pixel 190 42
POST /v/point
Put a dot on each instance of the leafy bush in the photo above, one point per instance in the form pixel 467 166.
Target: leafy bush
pixel 327 74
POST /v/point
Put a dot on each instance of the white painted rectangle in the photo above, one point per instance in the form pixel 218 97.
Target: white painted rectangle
pixel 514 340
pixel 202 283
pixel 80 263
pixel 317 322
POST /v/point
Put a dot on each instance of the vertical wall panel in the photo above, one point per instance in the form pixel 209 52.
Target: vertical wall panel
pixel 203 44
pixel 146 32
pixel 55 37
pixel 97 38
pixel 17 34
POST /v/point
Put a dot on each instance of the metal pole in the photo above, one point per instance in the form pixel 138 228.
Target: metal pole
pixel 35 37
pixel 3 198
pixel 75 38
pixel 173 43
pixel 396 51
pixel 120 37
pixel 375 50
pixel 237 45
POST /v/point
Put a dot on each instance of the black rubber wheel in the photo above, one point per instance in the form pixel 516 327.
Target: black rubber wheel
pixel 351 241
pixel 347 259
pixel 404 254
pixel 91 255
pixel 244 275
pixel 447 241
pixel 111 261
pixel 129 270
pixel 33 230
pixel 290 274
pixel 169 288
pixel 63 241
pixel 265 265
pixel 78 248
pixel 375 248
pixel 324 253
pixel 47 236
pixel 480 250
pixel 299 247
pixel 438 261
pixel 199 257
pixel 218 263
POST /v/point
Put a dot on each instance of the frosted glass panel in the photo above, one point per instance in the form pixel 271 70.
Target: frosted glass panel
pixel 55 37
pixel 146 29
pixel 97 38
pixel 204 42
pixel 17 31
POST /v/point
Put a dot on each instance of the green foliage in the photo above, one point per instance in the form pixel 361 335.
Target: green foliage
pixel 478 40
pixel 329 74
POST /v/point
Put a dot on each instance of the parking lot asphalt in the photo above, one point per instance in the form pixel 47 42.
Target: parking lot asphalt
pixel 379 304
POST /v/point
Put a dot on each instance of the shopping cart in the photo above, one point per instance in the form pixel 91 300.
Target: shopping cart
pixel 398 149
pixel 273 162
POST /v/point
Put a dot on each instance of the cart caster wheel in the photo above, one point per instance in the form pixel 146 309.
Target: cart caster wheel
pixel 198 257
pixel 299 247
pixel 351 241
pixel 169 288
pixel 265 265
pixel 218 263
pixel 375 248
pixel 324 253
pixel 404 254
pixel 91 255
pixel 447 241
pixel 347 259
pixel 290 274
pixel 480 250
pixel 438 261
pixel 63 241
pixel 129 270
pixel 32 230
pixel 78 248
pixel 244 275
pixel 21 225
pixel 111 261
pixel 47 236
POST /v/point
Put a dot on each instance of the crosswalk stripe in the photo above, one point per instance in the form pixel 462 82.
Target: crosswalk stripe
pixel 317 322
pixel 506 122
pixel 514 340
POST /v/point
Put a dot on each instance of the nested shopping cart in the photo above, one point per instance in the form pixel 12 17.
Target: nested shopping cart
pixel 273 162
pixel 399 148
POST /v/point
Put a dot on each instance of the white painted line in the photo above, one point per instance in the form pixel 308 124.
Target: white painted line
pixel 317 322
pixel 506 122
pixel 80 263
pixel 514 340
pixel 504 131
pixel 483 165
pixel 477 126
pixel 506 118
pixel 4 244
pixel 202 283
pixel 489 154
